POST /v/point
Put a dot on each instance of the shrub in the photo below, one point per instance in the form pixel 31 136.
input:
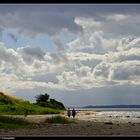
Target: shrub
pixel 56 104
pixel 42 98
pixel 110 123
pixel 57 119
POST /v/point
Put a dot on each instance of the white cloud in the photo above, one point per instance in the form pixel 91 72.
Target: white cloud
pixel 93 59
pixel 29 53
pixel 89 38
pixel 84 56
pixel 117 17
pixel 87 22
pixel 119 57
pixel 109 44
pixel 128 43
pixel 102 61
pixel 125 70
pixel 8 55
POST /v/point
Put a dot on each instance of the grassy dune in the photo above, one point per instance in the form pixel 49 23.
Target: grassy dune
pixel 12 106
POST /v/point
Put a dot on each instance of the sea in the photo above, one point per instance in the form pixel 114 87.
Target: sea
pixel 108 109
pixel 129 115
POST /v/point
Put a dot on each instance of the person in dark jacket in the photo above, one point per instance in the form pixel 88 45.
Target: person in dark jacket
pixel 73 113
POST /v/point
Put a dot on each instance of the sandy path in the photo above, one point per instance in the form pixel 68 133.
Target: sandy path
pixel 81 116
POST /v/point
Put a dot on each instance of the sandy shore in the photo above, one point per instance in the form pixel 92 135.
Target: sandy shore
pixel 87 123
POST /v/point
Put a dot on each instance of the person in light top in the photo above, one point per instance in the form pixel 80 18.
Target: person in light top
pixel 69 112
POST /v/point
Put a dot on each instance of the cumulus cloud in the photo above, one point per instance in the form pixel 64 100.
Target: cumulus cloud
pixel 125 70
pixel 122 24
pixel 88 41
pixel 128 43
pixel 29 53
pixel 94 58
pixel 85 56
pixel 87 23
pixel 37 19
pixel 102 61
pixel 28 66
pixel 8 55
pixel 117 17
pixel 117 64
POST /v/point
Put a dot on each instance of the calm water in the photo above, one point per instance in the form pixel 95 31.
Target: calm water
pixel 112 114
pixel 109 109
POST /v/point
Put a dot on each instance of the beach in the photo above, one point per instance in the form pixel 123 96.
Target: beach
pixel 86 123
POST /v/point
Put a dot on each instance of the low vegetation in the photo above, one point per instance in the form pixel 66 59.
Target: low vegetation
pixel 110 123
pixel 58 119
pixel 12 122
pixel 9 122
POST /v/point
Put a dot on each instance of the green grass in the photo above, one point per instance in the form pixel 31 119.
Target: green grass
pixel 25 109
pixel 58 119
pixel 8 122
pixel 12 106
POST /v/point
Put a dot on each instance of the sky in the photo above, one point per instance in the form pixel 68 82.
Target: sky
pixel 80 54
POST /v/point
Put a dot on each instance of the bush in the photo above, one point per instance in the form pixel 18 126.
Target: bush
pixel 110 123
pixel 56 104
pixel 42 98
pixel 57 119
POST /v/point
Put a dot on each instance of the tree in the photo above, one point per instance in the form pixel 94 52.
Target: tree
pixel 42 98
pixel 57 104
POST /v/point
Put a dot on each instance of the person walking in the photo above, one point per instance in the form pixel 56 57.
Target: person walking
pixel 69 112
pixel 73 113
